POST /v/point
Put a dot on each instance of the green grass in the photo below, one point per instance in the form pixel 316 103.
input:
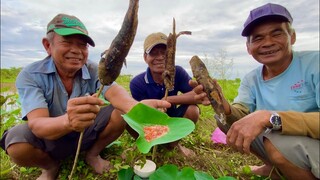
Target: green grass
pixel 215 159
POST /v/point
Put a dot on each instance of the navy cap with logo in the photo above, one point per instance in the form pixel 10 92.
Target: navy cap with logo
pixel 265 12
pixel 64 25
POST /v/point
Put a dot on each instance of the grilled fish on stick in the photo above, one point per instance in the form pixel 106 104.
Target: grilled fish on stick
pixel 169 73
pixel 113 58
pixel 202 76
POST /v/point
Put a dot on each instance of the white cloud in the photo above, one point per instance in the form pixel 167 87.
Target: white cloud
pixel 215 25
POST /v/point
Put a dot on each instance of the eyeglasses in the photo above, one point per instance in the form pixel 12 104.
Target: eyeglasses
pixel 155 53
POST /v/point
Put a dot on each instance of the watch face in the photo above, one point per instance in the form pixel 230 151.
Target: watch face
pixel 276 122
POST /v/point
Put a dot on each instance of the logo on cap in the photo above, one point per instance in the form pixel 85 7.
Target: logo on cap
pixel 64 25
pixel 68 22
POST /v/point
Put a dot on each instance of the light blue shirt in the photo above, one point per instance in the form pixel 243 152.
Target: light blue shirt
pixel 296 89
pixel 39 86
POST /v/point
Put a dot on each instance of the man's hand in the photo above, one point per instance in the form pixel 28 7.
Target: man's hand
pixel 245 130
pixel 82 111
pixel 158 104
pixel 200 96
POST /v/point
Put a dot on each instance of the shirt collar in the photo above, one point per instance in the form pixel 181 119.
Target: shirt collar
pixel 148 77
pixel 47 66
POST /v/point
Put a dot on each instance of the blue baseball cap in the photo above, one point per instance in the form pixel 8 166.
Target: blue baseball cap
pixel 265 12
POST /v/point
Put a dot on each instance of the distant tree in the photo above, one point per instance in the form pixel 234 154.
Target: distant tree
pixel 220 67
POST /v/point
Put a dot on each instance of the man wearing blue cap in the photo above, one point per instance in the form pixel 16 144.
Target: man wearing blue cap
pixel 276 113
pixel 56 102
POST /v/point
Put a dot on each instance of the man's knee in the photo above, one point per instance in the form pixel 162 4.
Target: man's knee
pixel 117 118
pixel 21 153
pixel 192 113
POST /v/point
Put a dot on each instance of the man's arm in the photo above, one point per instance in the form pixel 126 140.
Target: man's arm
pixel 121 99
pixel 185 98
pixel 81 112
pixel 300 123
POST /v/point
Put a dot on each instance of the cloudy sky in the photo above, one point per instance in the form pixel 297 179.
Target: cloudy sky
pixel 215 24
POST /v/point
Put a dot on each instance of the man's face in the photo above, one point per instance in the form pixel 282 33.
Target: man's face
pixel 156 58
pixel 69 53
pixel 271 43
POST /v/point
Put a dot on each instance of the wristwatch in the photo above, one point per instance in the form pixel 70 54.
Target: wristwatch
pixel 275 120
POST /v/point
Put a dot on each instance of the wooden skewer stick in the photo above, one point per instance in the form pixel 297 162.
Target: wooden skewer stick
pixel 80 142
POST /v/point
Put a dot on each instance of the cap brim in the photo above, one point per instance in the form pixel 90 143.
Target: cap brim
pixel 247 30
pixel 70 31
pixel 153 45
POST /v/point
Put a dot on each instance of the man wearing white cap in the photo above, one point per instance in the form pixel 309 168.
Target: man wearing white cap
pixel 276 113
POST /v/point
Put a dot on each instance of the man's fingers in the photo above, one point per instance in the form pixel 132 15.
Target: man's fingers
pixel 246 146
pixel 198 89
pixel 193 83
pixel 155 103
pixel 86 100
pixel 80 121
pixel 85 108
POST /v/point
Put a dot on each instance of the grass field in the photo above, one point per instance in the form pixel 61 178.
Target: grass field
pixel 218 160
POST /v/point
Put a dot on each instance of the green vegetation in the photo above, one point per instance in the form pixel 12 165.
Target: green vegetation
pixel 216 160
pixel 9 75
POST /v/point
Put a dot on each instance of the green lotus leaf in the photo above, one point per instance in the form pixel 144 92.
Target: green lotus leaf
pixel 170 171
pixel 125 174
pixel 142 115
pixel 202 176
